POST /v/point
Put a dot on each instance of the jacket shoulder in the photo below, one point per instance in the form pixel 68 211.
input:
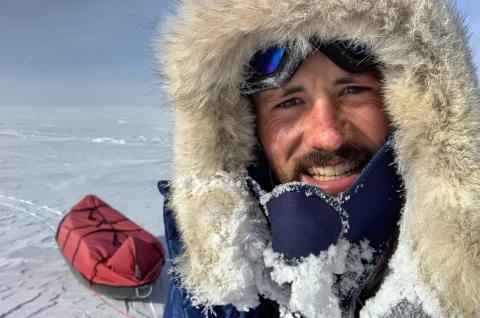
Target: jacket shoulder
pixel 178 303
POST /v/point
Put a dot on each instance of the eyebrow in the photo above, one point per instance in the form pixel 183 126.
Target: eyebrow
pixel 293 90
pixel 344 80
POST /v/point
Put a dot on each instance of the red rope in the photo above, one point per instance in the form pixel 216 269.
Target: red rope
pixel 106 302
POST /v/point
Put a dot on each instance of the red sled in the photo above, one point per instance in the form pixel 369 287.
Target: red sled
pixel 109 252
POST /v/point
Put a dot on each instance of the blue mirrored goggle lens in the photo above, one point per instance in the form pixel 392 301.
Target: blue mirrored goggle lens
pixel 268 61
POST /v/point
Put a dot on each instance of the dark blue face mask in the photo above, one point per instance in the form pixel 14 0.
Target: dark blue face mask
pixel 305 220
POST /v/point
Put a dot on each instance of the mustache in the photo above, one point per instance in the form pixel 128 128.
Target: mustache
pixel 318 157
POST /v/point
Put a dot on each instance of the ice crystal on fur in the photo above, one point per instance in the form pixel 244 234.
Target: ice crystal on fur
pixel 316 283
pixel 403 294
pixel 233 244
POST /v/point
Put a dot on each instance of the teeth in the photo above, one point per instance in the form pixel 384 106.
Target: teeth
pixel 324 178
pixel 325 173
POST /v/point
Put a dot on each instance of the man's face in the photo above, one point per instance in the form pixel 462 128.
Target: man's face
pixel 323 126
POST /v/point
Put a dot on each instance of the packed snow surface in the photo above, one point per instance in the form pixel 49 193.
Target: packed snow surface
pixel 51 158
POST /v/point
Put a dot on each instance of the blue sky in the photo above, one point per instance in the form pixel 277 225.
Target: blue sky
pixel 97 52
pixel 71 52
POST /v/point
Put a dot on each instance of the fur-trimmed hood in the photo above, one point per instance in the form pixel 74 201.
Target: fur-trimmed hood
pixel 430 94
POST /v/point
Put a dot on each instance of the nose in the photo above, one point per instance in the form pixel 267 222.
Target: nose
pixel 323 125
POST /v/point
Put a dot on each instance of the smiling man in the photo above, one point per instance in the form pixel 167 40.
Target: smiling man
pixel 327 160
pixel 323 126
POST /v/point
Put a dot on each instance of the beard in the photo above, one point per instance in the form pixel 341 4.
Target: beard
pixel 318 157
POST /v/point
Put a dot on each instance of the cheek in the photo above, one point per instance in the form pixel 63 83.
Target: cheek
pixel 373 124
pixel 275 137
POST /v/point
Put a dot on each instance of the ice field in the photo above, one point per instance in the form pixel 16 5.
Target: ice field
pixel 51 157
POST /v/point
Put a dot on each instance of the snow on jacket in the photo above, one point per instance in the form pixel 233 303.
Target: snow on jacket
pixel 178 303
pixel 430 94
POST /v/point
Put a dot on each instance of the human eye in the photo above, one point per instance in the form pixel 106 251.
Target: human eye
pixel 289 103
pixel 355 89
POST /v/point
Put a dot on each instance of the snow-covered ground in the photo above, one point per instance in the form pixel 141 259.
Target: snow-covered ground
pixel 50 158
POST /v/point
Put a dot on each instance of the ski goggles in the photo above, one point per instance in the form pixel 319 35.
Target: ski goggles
pixel 275 66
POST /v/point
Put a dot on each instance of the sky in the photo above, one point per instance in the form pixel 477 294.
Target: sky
pixel 79 52
pixel 98 52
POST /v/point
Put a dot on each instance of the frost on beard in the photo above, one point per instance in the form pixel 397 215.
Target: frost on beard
pixel 317 285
